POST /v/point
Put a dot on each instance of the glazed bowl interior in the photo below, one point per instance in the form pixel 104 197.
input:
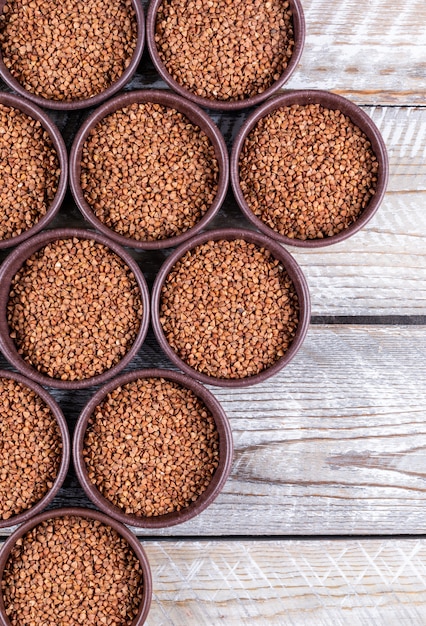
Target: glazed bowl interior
pixel 219 477
pixel 89 514
pixel 278 252
pixel 329 101
pixel 13 264
pixel 65 455
pixel 227 105
pixel 33 111
pixel 170 100
pixel 69 105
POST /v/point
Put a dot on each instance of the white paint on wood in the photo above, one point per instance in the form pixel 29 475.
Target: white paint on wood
pixel 334 444
pixel 373 51
pixel 288 583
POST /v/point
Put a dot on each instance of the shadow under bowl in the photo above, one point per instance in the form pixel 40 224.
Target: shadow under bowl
pixel 327 100
pixel 13 264
pixel 55 409
pixel 89 514
pixel 294 272
pixel 72 105
pixel 227 105
pixel 33 111
pixel 219 476
pixel 196 116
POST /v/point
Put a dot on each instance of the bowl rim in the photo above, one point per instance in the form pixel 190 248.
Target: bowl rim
pixel 295 273
pixel 93 515
pixel 33 111
pixel 219 477
pixel 169 99
pixel 57 413
pixel 15 261
pixel 72 105
pixel 329 100
pixel 225 105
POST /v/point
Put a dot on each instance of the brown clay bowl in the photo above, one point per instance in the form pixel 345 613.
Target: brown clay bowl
pixel 226 105
pixel 36 113
pixel 293 270
pixel 218 479
pixel 12 265
pixel 329 101
pixel 69 105
pixel 168 99
pixel 90 514
pixel 36 508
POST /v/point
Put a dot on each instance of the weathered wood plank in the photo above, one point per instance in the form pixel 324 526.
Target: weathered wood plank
pixel 334 444
pixel 372 51
pixel 288 583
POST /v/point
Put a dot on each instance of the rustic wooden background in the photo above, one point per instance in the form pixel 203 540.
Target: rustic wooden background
pixel 323 519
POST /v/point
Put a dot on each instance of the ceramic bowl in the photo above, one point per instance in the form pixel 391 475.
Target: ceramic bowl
pixel 12 265
pixel 294 272
pixel 69 105
pixel 169 100
pixel 219 476
pixel 33 111
pixel 55 409
pixel 329 101
pixel 125 533
pixel 227 105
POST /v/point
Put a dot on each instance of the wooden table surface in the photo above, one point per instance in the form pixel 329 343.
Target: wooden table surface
pixel 323 519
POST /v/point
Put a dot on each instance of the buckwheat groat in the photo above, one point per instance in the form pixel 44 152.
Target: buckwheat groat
pixel 225 50
pixel 229 309
pixel 67 50
pixel 307 171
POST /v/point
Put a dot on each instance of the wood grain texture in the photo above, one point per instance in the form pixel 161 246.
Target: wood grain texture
pixel 372 51
pixel 335 444
pixel 288 583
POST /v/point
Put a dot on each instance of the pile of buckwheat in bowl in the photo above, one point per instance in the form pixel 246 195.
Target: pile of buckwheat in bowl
pixel 74 308
pixel 67 55
pixel 149 169
pixel 34 169
pixel 153 448
pixel 76 567
pixel 230 307
pixel 225 55
pixel 309 168
pixel 34 445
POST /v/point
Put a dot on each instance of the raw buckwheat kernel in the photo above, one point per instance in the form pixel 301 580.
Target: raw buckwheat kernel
pixel 74 309
pixel 227 49
pixel 30 448
pixel 29 171
pixel 147 172
pixel 307 171
pixel 229 309
pixel 151 447
pixel 67 49
pixel 68 571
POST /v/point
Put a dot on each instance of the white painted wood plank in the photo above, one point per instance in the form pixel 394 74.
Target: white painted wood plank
pixel 288 583
pixel 372 51
pixel 382 269
pixel 334 444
